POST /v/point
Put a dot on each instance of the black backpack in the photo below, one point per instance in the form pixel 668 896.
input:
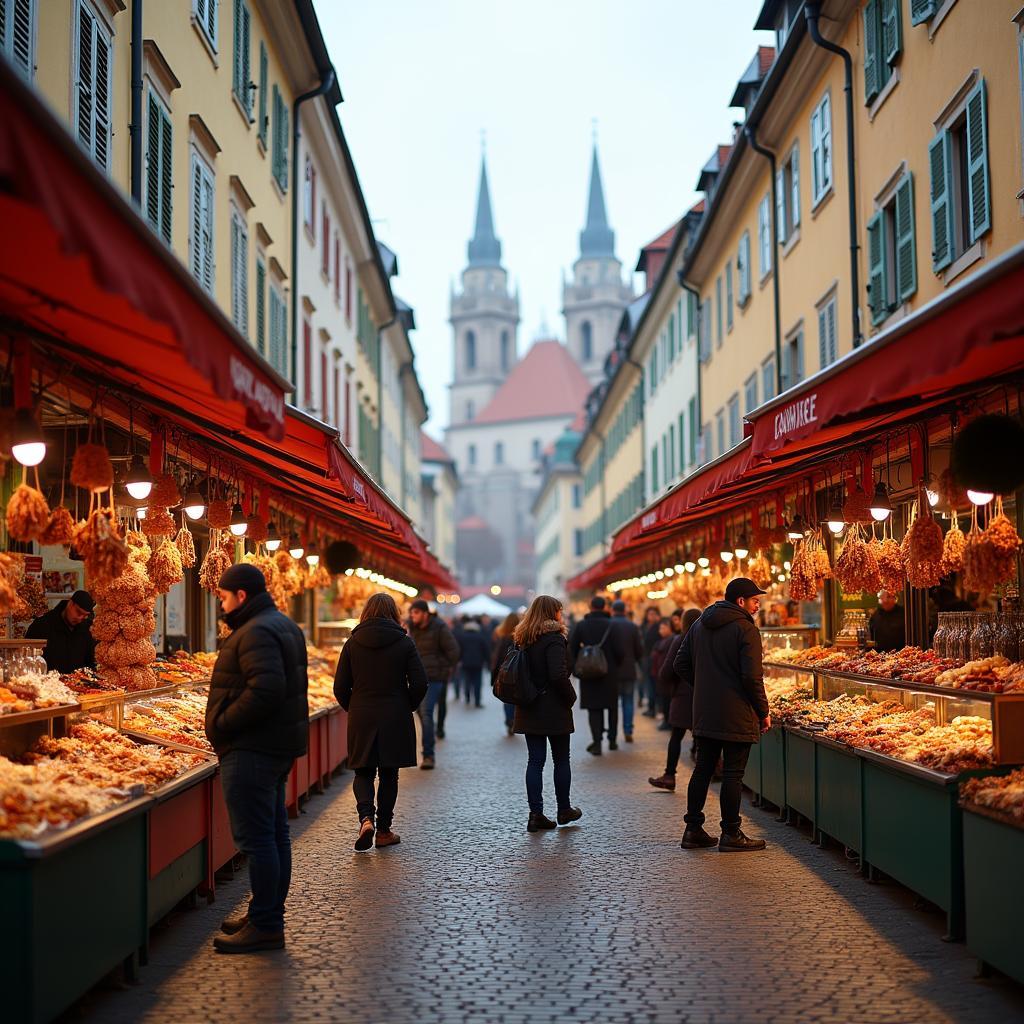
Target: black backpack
pixel 591 662
pixel 513 683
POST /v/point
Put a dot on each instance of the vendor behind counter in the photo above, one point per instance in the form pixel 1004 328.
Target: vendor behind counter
pixel 67 632
pixel 887 625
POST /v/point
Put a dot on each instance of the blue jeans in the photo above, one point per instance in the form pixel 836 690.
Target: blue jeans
pixel 510 713
pixel 473 681
pixel 426 713
pixel 537 746
pixel 627 711
pixel 254 785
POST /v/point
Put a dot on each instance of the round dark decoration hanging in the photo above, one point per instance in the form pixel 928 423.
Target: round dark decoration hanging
pixel 988 454
pixel 341 555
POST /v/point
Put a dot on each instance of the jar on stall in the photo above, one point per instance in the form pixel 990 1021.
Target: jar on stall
pixel 941 639
pixel 983 637
pixel 960 631
pixel 1007 636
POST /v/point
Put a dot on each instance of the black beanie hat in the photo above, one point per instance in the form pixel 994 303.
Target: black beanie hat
pixel 243 577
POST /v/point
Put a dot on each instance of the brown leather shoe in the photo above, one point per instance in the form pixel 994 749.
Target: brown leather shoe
pixel 665 781
pixel 365 838
pixel 249 940
pixel 388 838
pixel 235 923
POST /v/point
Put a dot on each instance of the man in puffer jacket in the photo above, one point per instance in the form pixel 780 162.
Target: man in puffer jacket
pixel 257 720
pixel 440 654
pixel 720 657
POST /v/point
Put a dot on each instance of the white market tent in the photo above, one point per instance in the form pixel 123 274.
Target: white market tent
pixel 482 604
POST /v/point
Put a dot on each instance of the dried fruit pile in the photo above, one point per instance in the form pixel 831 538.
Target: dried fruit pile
pixel 922 547
pixel 990 555
pixel 856 568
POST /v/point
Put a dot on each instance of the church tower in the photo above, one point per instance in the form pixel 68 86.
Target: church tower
pixel 484 318
pixel 593 302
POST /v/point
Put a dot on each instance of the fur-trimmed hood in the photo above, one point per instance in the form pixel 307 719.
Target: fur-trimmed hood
pixel 554 626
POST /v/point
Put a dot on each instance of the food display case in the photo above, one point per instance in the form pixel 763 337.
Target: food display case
pixel 794 638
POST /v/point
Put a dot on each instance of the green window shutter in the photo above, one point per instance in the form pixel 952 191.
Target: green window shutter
pixel 905 242
pixel 196 250
pixel 780 204
pixel 261 309
pixel 166 176
pixel 16 34
pixel 236 56
pixel 261 126
pixel 892 33
pixel 152 163
pixel 877 298
pixel 942 214
pixel 795 185
pixel 246 61
pixel 275 136
pixel 978 194
pixel 871 51
pixel 922 10
pixel 284 146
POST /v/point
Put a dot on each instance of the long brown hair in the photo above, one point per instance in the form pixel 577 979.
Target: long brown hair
pixel 380 606
pixel 508 625
pixel 544 609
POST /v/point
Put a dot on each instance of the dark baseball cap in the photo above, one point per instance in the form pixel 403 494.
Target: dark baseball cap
pixel 618 606
pixel 742 587
pixel 419 605
pixel 84 600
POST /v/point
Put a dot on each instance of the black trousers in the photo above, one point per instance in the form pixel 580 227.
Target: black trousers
pixel 675 746
pixel 596 716
pixel 387 795
pixel 734 764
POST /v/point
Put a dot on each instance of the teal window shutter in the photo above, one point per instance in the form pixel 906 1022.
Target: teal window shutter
pixel 892 32
pixel 942 213
pixel 978 193
pixel 261 307
pixel 284 146
pixel 877 298
pixel 871 51
pixel 905 242
pixel 261 127
pixel 780 204
pixel 152 162
pixel 922 10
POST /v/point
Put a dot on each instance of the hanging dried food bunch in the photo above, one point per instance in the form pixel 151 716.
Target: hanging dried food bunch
pixel 60 529
pixel 1002 535
pixel 922 547
pixel 91 468
pixel 857 507
pixel 819 558
pixel 158 523
pixel 990 555
pixel 803 579
pixel 186 546
pixel 30 590
pixel 218 514
pixel 166 493
pixel 291 572
pixel 953 547
pixel 256 528
pixel 124 624
pixel 138 546
pixel 275 587
pixel 950 491
pixel 891 569
pixel 11 570
pixel 217 562
pixel 28 514
pixel 856 568
pixel 760 570
pixel 164 566
pixel 98 540
pixel 321 578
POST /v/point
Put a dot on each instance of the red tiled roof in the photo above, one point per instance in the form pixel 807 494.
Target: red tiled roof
pixel 546 383
pixel 664 240
pixel 432 451
pixel 471 523
pixel 765 59
pixel 697 207
pixel 723 156
pixel 579 424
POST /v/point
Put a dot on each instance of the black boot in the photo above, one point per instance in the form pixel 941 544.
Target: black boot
pixel 537 822
pixel 595 748
pixel 737 842
pixel 568 815
pixel 695 838
pixel 248 940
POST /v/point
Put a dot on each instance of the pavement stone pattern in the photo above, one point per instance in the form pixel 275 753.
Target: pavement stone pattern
pixel 473 919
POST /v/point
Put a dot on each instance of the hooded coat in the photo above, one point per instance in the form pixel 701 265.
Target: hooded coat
pixel 632 650
pixel 439 651
pixel 380 682
pixel 551 713
pixel 474 647
pixel 602 692
pixel 680 709
pixel 720 657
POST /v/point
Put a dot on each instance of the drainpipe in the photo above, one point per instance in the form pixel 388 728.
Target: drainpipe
pixel 690 290
pixel 380 400
pixel 751 133
pixel 325 86
pixel 402 371
pixel 135 128
pixel 812 12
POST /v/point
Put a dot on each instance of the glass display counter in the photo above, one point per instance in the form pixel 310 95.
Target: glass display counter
pixel 793 638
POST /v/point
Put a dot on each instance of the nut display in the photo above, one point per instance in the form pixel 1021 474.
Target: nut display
pixel 1003 793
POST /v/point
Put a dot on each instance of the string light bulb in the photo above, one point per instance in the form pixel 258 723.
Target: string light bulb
pixel 138 481
pixel 690 566
pixel 295 548
pixel 836 522
pixel 193 504
pixel 238 524
pixel 28 444
pixel 313 557
pixel 881 506
pixel 743 546
pixel 703 561
pixel 273 541
pixel 979 497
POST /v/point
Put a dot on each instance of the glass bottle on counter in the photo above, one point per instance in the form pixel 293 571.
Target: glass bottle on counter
pixel 1008 628
pixel 956 645
pixel 940 641
pixel 983 637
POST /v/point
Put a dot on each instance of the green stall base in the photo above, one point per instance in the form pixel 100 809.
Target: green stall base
pixel 839 794
pixel 74 908
pixel 171 885
pixel 773 766
pixel 913 831
pixel 800 773
pixel 752 774
pixel 993 855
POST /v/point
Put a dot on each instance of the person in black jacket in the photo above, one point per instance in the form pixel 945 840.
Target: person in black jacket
pixel 380 682
pixel 680 708
pixel 66 628
pixel 503 643
pixel 440 654
pixel 600 693
pixel 626 672
pixel 257 720
pixel 548 720
pixel 721 658
pixel 475 653
pixel 651 634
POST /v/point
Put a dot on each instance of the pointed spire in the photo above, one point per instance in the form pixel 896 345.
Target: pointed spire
pixel 597 238
pixel 484 247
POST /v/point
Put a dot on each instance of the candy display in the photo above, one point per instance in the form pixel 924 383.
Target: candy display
pixel 35 691
pixel 1004 793
pixel 176 718
pixel 87 681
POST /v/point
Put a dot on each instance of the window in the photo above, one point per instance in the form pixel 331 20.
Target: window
pixel 793 360
pixel 718 311
pixel 279 141
pixel 159 169
pixel 261 118
pixel 324 389
pixel 787 195
pixel 505 351
pixel 735 429
pixel 93 57
pixel 720 430
pixel 337 268
pixel 750 393
pixel 307 363
pixel 261 304
pixel 682 444
pixel 470 409
pixel 577 542
pixel 277 354
pixel 960 197
pixel 728 295
pixel 892 252
pixel 666 465
pixel 922 10
pixel 671 472
pixel 17 34
pixel 241 69
pixel 586 341
pixel 309 197
pixel 201 221
pixel 883 42
pixel 577 496
pixel 471 454
pixel 704 331
pixel 691 315
pixel 821 149
pixel 239 271
pixel 743 268
pixel 470 346
pixel 768 380
pixel 654 369
pixel 499 453
pixel 764 235
pixel 204 14
pixel 654 470
pixel 325 238
pixel 348 291
pixel 535 448
pixel 704 446
pixel 827 331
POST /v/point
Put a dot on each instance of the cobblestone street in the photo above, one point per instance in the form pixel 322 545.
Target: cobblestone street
pixel 471 918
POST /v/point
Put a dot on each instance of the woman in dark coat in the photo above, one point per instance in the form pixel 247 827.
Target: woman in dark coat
pixel 502 645
pixel 599 694
pixel 548 720
pixel 680 709
pixel 380 683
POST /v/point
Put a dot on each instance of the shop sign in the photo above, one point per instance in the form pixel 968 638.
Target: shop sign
pixel 649 520
pixel 795 416
pixel 264 401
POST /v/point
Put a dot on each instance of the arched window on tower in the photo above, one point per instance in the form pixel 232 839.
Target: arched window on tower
pixel 586 341
pixel 470 350
pixel 505 347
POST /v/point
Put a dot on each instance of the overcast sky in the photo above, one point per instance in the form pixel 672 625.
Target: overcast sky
pixel 422 80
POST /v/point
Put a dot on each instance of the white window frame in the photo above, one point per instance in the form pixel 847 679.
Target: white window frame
pixel 26 69
pixel 205 14
pixel 821 150
pixel 743 257
pixel 100 34
pixel 764 234
pixel 152 95
pixel 828 318
pixel 197 262
pixel 239 270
